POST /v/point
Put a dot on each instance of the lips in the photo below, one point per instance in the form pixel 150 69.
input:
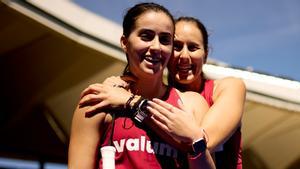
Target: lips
pixel 184 68
pixel 153 60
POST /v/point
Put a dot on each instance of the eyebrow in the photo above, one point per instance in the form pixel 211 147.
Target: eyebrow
pixel 150 30
pixel 166 34
pixel 194 43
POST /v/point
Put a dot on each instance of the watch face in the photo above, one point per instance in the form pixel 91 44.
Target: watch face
pixel 141 112
pixel 143 106
pixel 199 146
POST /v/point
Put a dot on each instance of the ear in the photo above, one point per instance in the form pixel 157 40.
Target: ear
pixel 124 42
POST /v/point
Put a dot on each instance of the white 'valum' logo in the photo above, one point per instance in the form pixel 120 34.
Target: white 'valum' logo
pixel 141 144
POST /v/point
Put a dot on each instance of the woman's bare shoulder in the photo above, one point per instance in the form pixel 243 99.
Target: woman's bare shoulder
pixel 80 121
pixel 192 99
pixel 230 82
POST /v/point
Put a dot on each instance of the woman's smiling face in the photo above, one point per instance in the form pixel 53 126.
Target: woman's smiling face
pixel 149 45
pixel 189 54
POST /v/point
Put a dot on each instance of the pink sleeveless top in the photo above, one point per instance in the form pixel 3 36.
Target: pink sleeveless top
pixel 231 155
pixel 139 148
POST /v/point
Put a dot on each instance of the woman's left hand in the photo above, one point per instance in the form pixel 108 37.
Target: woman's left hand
pixel 178 123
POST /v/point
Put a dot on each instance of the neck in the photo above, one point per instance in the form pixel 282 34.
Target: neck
pixel 150 88
pixel 195 86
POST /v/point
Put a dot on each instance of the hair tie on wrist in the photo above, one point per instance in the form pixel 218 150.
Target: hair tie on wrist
pixel 127 104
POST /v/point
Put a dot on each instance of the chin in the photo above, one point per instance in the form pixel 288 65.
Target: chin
pixel 152 69
pixel 152 72
pixel 185 80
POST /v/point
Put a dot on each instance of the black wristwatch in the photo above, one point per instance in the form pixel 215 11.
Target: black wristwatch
pixel 141 111
pixel 198 147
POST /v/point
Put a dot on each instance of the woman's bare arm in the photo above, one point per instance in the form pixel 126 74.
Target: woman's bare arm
pixel 224 117
pixel 199 107
pixel 84 139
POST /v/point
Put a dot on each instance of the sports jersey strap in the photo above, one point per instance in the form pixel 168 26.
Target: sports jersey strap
pixel 207 91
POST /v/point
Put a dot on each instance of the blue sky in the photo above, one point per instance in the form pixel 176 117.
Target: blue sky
pixel 263 35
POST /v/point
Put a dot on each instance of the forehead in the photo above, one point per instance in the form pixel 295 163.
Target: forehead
pixel 188 30
pixel 155 20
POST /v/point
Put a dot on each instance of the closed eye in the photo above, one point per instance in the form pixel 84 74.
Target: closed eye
pixel 165 39
pixel 193 47
pixel 178 46
pixel 147 35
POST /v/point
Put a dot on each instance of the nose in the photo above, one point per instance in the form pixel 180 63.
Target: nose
pixel 155 44
pixel 184 55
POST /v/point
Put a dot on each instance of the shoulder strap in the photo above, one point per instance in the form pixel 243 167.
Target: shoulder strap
pixel 173 97
pixel 207 91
